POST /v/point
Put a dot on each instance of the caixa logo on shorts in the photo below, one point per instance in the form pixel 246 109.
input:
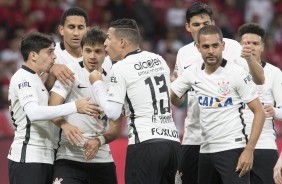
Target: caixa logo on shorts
pixel 147 64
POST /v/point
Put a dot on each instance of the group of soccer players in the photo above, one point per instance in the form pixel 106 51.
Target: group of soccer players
pixel 233 97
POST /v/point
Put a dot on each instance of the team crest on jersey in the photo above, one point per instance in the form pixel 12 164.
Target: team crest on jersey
pixel 223 88
pixel 58 181
pixel 260 89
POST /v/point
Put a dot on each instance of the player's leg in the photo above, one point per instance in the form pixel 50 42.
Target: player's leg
pixel 68 171
pixel 226 162
pixel 148 161
pixel 102 173
pixel 31 173
pixel 189 163
pixel 207 173
pixel 264 162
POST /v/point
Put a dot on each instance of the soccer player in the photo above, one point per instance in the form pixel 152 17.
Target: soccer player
pixel 277 171
pixel 94 164
pixel 265 155
pixel 197 16
pixel 221 87
pixel 140 81
pixel 73 25
pixel 31 154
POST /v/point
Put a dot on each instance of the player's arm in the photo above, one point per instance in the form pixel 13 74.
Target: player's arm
pixel 277 170
pixel 60 72
pixel 245 162
pixel 175 100
pixel 72 133
pixel 276 87
pixel 91 146
pixel 255 68
pixel 111 109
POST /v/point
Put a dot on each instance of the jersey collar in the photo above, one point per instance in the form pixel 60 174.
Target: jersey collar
pixel 28 69
pixel 134 52
pixel 224 62
pixel 263 63
pixel 62 46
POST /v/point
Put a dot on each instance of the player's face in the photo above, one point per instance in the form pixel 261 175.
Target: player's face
pixel 211 48
pixel 255 42
pixel 196 23
pixel 45 59
pixel 73 31
pixel 93 56
pixel 113 45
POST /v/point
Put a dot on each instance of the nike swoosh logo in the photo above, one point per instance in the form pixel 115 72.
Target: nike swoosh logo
pixel 43 89
pixel 197 83
pixel 186 67
pixel 81 86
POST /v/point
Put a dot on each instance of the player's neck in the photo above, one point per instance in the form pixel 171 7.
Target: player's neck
pixel 73 52
pixel 209 69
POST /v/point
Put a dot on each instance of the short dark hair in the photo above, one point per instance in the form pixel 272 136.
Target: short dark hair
pixel 35 41
pixel 93 36
pixel 127 28
pixel 198 8
pixel 252 28
pixel 73 12
pixel 208 30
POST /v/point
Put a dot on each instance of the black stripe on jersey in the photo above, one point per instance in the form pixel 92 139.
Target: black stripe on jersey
pixel 28 69
pixel 27 137
pixel 132 119
pixel 58 143
pixel 243 123
pixel 133 52
pixel 263 63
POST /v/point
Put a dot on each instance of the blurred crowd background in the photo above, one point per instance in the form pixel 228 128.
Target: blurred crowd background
pixel 161 24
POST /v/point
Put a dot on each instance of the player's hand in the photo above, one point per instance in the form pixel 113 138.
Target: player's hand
pixel 245 162
pixel 72 133
pixel 91 148
pixel 84 106
pixel 62 73
pixel 95 76
pixel 269 111
pixel 247 53
pixel 277 171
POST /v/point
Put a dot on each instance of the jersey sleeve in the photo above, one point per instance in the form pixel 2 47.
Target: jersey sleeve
pixel 178 67
pixel 182 84
pixel 277 88
pixel 117 89
pixel 246 88
pixel 26 91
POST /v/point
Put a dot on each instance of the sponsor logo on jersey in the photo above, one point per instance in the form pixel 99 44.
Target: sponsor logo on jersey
pixel 223 88
pixel 147 64
pixel 79 86
pixel 113 79
pixel 260 89
pixel 248 79
pixel 24 84
pixel 165 132
pixel 214 101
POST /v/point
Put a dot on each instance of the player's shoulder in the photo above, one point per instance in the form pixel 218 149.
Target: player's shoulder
pixel 231 42
pixel 186 48
pixel 269 67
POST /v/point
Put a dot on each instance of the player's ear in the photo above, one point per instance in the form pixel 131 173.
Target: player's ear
pixel 60 29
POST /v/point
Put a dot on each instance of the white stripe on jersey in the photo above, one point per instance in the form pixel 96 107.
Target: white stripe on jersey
pixel 220 96
pixel 33 140
pixel 188 55
pixel 141 82
pixel 269 94
pixel 92 127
